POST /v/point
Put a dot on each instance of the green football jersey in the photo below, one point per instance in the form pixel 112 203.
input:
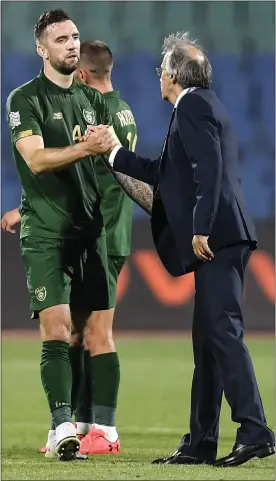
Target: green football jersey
pixel 116 206
pixel 63 203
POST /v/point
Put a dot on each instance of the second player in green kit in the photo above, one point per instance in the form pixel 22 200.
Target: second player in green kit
pixel 116 207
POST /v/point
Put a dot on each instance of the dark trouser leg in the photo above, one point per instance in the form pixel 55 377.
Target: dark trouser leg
pixel 206 396
pixel 219 286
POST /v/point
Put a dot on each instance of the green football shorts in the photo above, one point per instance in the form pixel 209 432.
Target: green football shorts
pixel 67 271
pixel 115 265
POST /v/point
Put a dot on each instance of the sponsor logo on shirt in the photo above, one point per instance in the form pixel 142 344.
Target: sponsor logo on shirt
pixel 14 119
pixel 57 116
pixel 25 133
pixel 89 116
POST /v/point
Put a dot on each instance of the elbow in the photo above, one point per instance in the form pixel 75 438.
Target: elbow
pixel 35 167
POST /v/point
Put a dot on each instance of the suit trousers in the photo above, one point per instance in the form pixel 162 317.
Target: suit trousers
pixel 221 360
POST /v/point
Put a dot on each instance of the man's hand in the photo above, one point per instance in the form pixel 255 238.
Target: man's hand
pixel 97 140
pixel 106 133
pixel 10 219
pixel 201 248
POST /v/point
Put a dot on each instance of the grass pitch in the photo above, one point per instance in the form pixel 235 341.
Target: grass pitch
pixel 153 414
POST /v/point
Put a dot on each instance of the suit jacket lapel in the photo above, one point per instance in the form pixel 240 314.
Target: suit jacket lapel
pixel 191 89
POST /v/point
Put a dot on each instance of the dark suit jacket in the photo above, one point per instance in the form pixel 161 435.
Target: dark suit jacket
pixel 197 188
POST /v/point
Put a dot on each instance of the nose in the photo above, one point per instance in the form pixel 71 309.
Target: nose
pixel 71 44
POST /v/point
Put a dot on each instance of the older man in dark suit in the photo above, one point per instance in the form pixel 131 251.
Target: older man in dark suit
pixel 200 223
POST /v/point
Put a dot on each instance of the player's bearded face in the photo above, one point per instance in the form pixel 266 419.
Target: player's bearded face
pixel 63 47
pixel 66 66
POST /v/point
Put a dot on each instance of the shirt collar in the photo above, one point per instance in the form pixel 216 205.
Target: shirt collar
pixel 184 92
pixel 54 87
pixel 112 94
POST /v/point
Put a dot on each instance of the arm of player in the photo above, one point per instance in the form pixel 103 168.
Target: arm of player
pixel 10 219
pixel 27 136
pixel 40 159
pixel 138 191
pixel 199 133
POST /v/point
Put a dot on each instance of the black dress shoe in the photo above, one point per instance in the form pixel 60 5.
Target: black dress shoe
pixel 242 453
pixel 180 458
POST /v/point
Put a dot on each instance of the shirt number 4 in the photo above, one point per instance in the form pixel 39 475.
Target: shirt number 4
pixel 76 133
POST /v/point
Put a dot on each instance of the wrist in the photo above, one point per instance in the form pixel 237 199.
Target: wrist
pixel 82 150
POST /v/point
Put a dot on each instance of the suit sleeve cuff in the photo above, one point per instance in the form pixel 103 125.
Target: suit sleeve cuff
pixel 113 154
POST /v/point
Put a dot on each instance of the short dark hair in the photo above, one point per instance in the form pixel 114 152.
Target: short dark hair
pixel 99 54
pixel 48 18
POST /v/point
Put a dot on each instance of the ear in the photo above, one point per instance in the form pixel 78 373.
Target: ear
pixel 82 75
pixel 173 78
pixel 42 52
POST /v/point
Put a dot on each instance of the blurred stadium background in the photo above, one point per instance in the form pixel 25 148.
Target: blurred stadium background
pixel 240 40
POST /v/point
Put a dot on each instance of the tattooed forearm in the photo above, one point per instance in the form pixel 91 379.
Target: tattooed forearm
pixel 139 192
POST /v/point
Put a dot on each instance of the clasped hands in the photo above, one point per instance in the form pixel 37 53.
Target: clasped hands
pixel 100 139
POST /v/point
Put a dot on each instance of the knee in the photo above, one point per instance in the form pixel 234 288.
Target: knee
pixel 99 341
pixel 98 335
pixel 55 324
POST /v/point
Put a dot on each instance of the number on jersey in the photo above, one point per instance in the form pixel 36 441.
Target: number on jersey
pixel 76 133
pixel 132 141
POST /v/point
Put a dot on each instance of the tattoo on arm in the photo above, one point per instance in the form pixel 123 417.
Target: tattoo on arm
pixel 138 191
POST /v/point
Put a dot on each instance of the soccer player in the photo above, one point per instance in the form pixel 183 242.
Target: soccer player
pixel 95 67
pixel 62 233
pixel 96 63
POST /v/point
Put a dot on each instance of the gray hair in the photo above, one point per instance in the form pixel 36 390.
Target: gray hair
pixel 190 71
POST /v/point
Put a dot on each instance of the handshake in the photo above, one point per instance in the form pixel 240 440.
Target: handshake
pixel 99 139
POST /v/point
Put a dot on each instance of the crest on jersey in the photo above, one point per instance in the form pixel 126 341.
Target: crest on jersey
pixel 89 116
pixel 14 119
pixel 41 293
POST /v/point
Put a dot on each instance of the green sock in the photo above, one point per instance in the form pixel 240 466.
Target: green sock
pixel 84 410
pixel 105 374
pixel 77 366
pixel 56 376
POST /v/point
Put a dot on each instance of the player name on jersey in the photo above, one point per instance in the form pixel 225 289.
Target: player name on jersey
pixel 125 117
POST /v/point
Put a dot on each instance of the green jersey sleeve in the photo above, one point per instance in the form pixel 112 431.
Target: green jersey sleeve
pixel 21 117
